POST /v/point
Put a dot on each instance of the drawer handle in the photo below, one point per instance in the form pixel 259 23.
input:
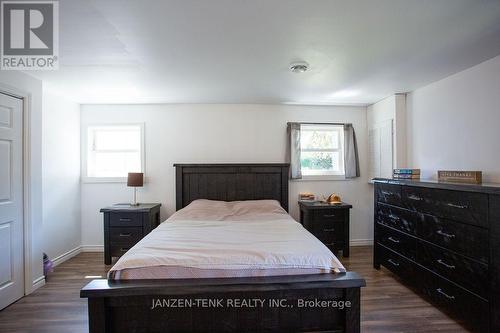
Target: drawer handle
pixel 329 244
pixel 329 215
pixel 329 229
pixel 440 291
pixel 394 240
pixel 387 193
pixel 122 219
pixel 449 204
pixel 394 217
pixel 125 235
pixel 440 261
pixel 393 262
pixel 124 249
pixel 415 197
pixel 442 233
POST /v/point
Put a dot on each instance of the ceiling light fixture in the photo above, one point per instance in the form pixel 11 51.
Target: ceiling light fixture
pixel 299 67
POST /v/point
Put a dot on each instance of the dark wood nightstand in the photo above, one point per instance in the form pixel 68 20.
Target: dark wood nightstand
pixel 328 222
pixel 125 225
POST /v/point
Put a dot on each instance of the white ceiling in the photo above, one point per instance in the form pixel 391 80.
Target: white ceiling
pixel 238 51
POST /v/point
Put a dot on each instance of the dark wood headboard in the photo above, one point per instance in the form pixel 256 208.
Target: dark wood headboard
pixel 231 182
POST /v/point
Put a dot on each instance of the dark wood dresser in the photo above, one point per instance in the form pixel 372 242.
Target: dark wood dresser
pixel 328 222
pixel 125 225
pixel 444 240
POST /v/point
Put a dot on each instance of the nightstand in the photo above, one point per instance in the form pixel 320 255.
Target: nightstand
pixel 125 225
pixel 328 222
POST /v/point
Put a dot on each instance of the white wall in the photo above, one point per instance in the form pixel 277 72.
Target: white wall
pixel 14 81
pixel 454 123
pixel 60 175
pixel 218 134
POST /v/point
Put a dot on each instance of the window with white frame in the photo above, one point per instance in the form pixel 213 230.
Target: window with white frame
pixel 113 151
pixel 322 150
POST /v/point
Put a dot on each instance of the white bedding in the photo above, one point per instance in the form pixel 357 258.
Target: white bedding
pixel 241 246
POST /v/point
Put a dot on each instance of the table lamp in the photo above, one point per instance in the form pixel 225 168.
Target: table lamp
pixel 135 180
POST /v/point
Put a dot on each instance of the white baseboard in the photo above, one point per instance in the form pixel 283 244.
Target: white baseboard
pixel 77 250
pixel 37 283
pixel 92 248
pixel 68 255
pixel 361 242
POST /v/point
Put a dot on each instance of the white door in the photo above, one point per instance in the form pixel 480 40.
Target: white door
pixel 380 149
pixel 11 200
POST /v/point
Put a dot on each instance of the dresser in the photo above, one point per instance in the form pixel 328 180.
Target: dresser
pixel 125 225
pixel 328 222
pixel 443 240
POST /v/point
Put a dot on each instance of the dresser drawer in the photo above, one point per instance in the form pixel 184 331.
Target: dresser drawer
pixel 396 263
pixel 122 219
pixel 454 205
pixel 328 215
pixel 119 250
pixel 397 241
pixel 333 245
pixel 329 228
pixel 397 218
pixel 468 273
pixel 465 239
pixel 330 238
pixel 125 235
pixel 465 306
pixel 388 193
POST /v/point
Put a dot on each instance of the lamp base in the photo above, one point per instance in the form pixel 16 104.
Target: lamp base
pixel 135 203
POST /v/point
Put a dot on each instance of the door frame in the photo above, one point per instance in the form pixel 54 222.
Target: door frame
pixel 26 158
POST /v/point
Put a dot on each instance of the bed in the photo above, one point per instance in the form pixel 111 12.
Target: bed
pixel 264 286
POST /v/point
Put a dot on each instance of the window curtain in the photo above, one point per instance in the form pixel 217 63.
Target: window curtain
pixel 293 150
pixel 351 159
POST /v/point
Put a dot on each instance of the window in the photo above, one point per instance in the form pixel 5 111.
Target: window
pixel 113 151
pixel 322 150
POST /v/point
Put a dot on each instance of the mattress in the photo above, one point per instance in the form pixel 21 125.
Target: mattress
pixel 216 239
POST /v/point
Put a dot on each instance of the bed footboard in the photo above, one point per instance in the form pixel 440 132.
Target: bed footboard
pixel 321 302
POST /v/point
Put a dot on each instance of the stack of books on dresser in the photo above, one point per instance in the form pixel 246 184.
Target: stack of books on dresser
pixel 406 174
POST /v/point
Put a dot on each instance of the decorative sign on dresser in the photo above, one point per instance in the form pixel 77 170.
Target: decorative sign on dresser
pixel 470 177
pixel 125 225
pixel 444 240
pixel 328 222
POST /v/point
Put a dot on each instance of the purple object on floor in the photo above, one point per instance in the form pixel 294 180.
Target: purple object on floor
pixel 48 265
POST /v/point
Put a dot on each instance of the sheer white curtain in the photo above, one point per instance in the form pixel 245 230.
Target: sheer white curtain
pixel 293 150
pixel 351 159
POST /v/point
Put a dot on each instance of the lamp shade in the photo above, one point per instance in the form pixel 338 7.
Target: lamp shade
pixel 135 179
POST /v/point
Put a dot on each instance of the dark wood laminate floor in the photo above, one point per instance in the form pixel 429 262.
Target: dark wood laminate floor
pixel 386 305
